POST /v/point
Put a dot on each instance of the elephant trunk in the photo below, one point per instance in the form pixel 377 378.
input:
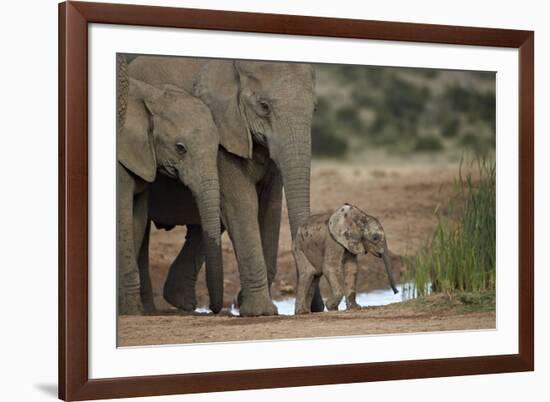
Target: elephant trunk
pixel 208 202
pixel 294 161
pixel 387 263
pixel 293 158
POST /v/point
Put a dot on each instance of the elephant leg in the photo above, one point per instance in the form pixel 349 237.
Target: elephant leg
pixel 332 269
pixel 304 287
pixel 311 294
pixel 179 288
pixel 240 216
pixel 270 204
pixel 146 288
pixel 129 301
pixel 350 280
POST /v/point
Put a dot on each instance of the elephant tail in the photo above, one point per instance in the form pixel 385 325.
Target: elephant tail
pixel 122 87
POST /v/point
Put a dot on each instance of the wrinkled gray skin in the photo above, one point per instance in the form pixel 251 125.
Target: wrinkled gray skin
pixel 169 131
pixel 263 112
pixel 328 244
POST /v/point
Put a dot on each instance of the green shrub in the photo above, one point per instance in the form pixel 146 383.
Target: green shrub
pixel 429 143
pixel 347 117
pixel 477 105
pixel 428 72
pixel 404 100
pixel 325 144
pixel 450 125
pixel 478 143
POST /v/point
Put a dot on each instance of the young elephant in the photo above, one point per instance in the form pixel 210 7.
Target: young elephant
pixel 167 130
pixel 328 244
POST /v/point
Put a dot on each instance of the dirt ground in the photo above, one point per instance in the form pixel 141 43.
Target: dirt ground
pixel 403 194
pixel 434 313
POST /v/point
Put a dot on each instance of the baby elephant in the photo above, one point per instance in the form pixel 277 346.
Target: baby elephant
pixel 163 131
pixel 328 244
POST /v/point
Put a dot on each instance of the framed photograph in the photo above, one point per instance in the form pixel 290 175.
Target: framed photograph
pixel 258 200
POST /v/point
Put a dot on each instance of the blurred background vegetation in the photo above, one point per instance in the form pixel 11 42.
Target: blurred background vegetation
pixel 403 111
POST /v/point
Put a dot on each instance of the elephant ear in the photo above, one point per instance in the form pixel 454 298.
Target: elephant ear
pixel 135 145
pixel 218 85
pixel 346 227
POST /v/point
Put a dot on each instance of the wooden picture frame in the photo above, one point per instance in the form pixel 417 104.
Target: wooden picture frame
pixel 74 381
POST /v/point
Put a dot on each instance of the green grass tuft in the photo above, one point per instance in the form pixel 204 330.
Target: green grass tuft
pixel 461 256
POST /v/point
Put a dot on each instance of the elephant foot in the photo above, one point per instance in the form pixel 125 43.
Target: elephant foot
pixel 180 299
pixel 351 304
pixel 147 302
pixel 301 310
pixel 130 304
pixel 149 306
pixel 332 304
pixel 256 304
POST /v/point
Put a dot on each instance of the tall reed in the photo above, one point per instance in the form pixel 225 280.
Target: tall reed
pixel 461 255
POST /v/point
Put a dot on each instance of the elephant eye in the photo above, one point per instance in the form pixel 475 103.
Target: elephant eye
pixel 180 148
pixel 265 106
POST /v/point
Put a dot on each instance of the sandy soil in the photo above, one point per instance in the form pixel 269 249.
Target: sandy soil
pixel 434 314
pixel 403 194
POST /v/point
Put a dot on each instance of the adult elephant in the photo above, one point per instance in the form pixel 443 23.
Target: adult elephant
pixel 263 112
